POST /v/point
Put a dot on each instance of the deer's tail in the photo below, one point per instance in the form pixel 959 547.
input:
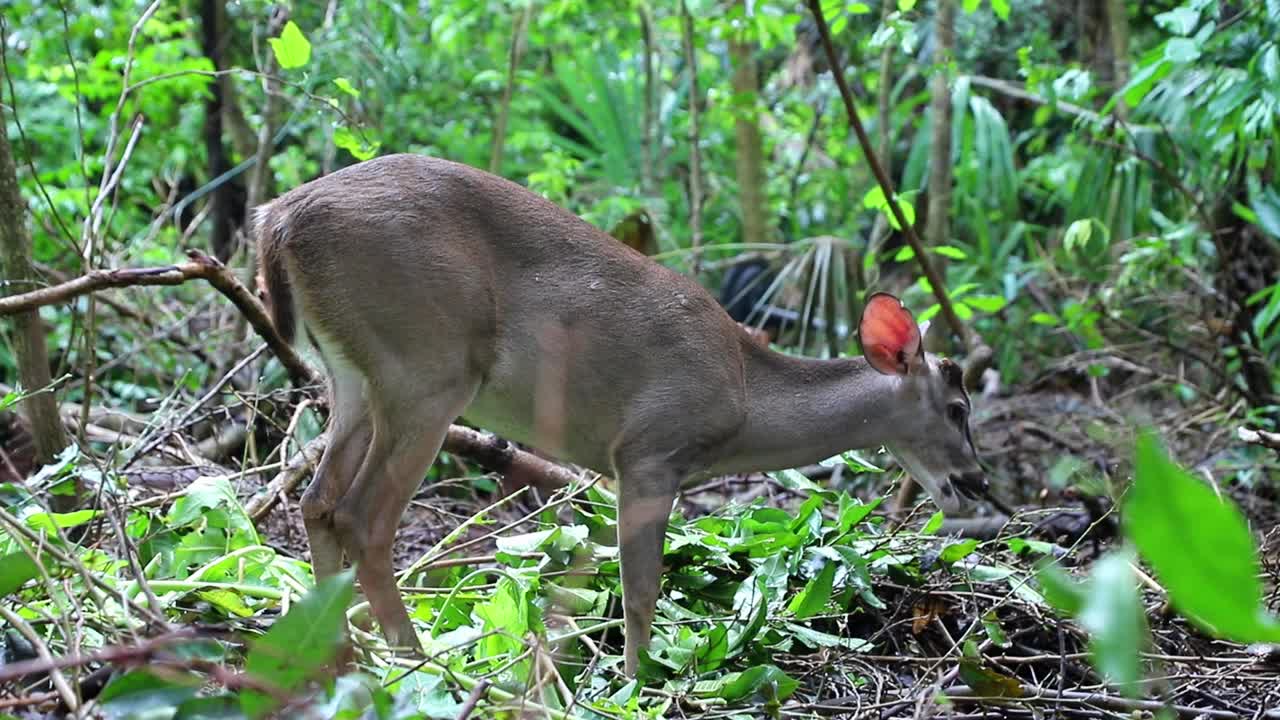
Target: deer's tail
pixel 271 226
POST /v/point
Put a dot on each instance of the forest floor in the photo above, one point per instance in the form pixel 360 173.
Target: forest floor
pixel 1054 453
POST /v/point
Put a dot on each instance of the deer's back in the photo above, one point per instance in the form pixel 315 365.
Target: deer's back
pixel 572 336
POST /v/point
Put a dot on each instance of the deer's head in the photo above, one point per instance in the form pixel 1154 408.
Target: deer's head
pixel 930 435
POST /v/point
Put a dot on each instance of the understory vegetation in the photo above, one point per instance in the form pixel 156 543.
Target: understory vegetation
pixel 1082 200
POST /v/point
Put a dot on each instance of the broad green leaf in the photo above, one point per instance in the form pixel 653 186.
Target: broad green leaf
pixel 817 639
pixel 1043 318
pixel 426 693
pixel 359 148
pixel 1112 613
pixel 16 568
pixel 958 551
pixel 971 5
pixel 985 681
pixel 951 251
pixel 1077 234
pixel 855 462
pixel 1179 21
pixel 300 643
pixel 859 8
pixel 995 633
pixel 764 680
pixel 345 86
pixel 1001 8
pixel 851 512
pixel 796 480
pixel 292 49
pixel 1182 50
pixel 1145 79
pixel 1060 590
pixel 46 521
pixel 1265 203
pixel 208 494
pixel 714 647
pixel 816 593
pixel 1199 545
pixel 906 5
pixel 226 600
pixel 142 694
pixel 905 253
pixel 935 522
pixel 985 303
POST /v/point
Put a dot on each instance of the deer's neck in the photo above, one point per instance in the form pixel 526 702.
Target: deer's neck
pixel 801 410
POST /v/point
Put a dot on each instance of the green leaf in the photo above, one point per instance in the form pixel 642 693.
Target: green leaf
pixel 906 5
pixel 971 5
pixel 958 551
pixel 292 49
pixel 985 681
pixel 765 680
pixel 935 522
pixel 1199 545
pixel 359 148
pixel 817 639
pixel 991 626
pixel 1060 590
pixel 16 568
pixel 300 643
pixel 1001 8
pixel 213 493
pixel 875 198
pixel 859 8
pixel 1179 21
pixel 345 86
pixel 226 600
pixel 426 693
pixel 1042 318
pixel 1182 50
pixel 816 593
pixel 141 694
pixel 796 480
pixel 985 303
pixel 1077 234
pixel 46 521
pixel 951 251
pixel 1112 613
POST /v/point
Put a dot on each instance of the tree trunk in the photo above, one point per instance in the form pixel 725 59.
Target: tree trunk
pixel 937 229
pixel 746 129
pixel 28 338
pixel 212 36
pixel 650 119
pixel 695 153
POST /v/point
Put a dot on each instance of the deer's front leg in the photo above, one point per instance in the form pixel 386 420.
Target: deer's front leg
pixel 646 491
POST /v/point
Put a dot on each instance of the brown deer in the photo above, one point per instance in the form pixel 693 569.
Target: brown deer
pixel 434 290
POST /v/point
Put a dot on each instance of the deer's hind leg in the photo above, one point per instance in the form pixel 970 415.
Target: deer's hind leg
pixel 350 432
pixel 410 420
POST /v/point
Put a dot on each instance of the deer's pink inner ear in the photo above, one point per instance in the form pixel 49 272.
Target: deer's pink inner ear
pixel 889 335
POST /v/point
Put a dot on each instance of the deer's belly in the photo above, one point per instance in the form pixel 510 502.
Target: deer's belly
pixel 553 414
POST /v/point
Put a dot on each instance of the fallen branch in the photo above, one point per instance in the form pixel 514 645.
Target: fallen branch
pixel 288 478
pixel 1259 437
pixel 518 466
pixel 201 267
pixel 1032 694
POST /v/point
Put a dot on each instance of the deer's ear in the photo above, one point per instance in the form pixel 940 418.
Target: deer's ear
pixel 889 336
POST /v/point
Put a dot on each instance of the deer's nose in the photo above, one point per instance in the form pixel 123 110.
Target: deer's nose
pixel 971 484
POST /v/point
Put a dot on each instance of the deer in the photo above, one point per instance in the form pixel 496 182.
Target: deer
pixel 434 291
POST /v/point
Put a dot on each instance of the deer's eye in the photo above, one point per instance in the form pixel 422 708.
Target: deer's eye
pixel 957 413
